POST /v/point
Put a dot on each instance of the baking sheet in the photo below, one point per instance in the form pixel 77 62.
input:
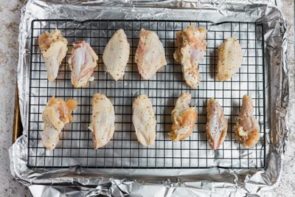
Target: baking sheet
pixel 210 180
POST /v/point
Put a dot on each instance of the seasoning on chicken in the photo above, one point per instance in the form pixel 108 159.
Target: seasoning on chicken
pixel 54 48
pixel 191 49
pixel 82 62
pixel 229 59
pixel 102 123
pixel 150 54
pixel 56 114
pixel 184 118
pixel 247 127
pixel 144 120
pixel 216 126
pixel 116 54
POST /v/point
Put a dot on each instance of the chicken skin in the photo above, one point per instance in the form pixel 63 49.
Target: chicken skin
pixel 216 126
pixel 144 120
pixel 82 62
pixel 56 114
pixel 184 118
pixel 102 123
pixel 116 55
pixel 247 127
pixel 54 48
pixel 150 54
pixel 191 49
pixel 229 59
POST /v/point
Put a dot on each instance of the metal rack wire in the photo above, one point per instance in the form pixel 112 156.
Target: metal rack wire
pixel 123 151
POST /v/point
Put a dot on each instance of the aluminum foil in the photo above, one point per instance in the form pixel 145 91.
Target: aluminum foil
pixel 77 181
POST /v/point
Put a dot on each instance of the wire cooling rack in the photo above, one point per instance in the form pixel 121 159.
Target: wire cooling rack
pixel 123 151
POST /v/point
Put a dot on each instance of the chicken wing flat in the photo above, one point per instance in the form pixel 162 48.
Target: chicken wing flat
pixel 184 118
pixel 54 48
pixel 247 127
pixel 116 54
pixel 229 59
pixel 56 114
pixel 102 123
pixel 191 49
pixel 144 120
pixel 150 54
pixel 216 126
pixel 82 62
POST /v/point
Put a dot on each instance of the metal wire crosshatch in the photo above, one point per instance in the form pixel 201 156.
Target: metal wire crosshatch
pixel 123 151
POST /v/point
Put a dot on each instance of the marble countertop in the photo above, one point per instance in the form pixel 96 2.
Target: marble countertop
pixel 9 19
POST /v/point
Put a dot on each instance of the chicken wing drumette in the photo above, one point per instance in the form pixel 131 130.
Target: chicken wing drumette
pixel 247 127
pixel 216 126
pixel 116 54
pixel 150 54
pixel 184 118
pixel 102 123
pixel 229 59
pixel 82 62
pixel 56 114
pixel 54 48
pixel 191 49
pixel 144 120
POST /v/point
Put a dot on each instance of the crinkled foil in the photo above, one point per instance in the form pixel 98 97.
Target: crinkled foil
pixel 78 181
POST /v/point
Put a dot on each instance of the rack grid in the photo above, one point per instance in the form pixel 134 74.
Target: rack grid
pixel 123 151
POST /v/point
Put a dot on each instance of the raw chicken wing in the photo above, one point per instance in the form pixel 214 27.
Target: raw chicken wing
pixel 82 62
pixel 54 48
pixel 102 121
pixel 144 120
pixel 116 54
pixel 247 128
pixel 216 126
pixel 229 59
pixel 150 54
pixel 56 114
pixel 191 49
pixel 184 118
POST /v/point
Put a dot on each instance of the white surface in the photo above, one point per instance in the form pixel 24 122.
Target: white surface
pixel 9 19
